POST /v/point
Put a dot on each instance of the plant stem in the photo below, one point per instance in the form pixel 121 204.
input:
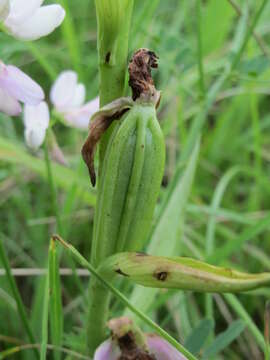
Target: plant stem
pixel 113 76
pixel 107 285
pixel 52 187
pixel 56 314
pixel 112 72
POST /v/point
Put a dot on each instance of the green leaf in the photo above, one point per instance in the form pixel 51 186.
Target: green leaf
pixel 221 13
pixel 224 339
pixel 199 335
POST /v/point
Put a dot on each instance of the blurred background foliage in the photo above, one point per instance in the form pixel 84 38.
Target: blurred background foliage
pixel 230 196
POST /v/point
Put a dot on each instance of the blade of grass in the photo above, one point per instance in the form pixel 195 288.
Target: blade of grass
pixel 200 119
pixel 210 232
pixel 69 35
pixel 234 246
pixel 56 315
pixel 45 316
pixel 83 262
pixel 257 37
pixel 199 49
pixel 54 200
pixel 42 60
pixel 266 330
pixel 17 296
pixel 56 311
pixel 243 314
pixel 15 154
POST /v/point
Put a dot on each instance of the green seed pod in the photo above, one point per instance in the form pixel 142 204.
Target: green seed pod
pixel 130 182
pixel 133 164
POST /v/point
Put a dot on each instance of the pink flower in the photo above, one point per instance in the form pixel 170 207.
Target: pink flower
pixel 36 121
pixel 16 86
pixel 159 348
pixel 28 20
pixel 68 96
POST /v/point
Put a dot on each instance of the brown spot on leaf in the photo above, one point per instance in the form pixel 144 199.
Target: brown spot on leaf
pixel 161 275
pixel 140 253
pixel 119 271
pixel 107 57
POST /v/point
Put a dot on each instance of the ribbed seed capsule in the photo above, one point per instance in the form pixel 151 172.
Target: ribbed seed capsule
pixel 129 183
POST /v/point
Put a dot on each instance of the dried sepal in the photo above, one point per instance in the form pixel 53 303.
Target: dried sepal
pixel 140 77
pixel 99 123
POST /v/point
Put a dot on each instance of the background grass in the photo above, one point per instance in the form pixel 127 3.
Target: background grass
pixel 225 219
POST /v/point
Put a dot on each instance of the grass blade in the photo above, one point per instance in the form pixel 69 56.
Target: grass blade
pixel 17 296
pixel 224 339
pixel 243 314
pixel 83 262
pixel 199 336
pixel 45 316
pixel 63 176
pixel 56 311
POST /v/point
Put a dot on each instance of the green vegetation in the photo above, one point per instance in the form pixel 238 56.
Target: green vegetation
pixel 214 74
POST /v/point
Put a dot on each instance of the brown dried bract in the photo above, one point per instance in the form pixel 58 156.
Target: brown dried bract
pixel 129 349
pixel 96 129
pixel 140 78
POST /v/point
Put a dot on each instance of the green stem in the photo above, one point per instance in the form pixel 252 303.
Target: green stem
pixel 113 19
pixel 56 314
pixel 17 296
pixel 107 285
pixel 52 186
pixel 112 62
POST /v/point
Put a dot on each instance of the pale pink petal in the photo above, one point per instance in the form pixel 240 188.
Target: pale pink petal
pixel 107 351
pixel 79 96
pixel 80 117
pixel 92 106
pixel 4 9
pixel 20 86
pixel 162 349
pixel 8 104
pixel 21 11
pixel 37 116
pixel 63 90
pixel 41 23
pixel 77 118
pixel 34 137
